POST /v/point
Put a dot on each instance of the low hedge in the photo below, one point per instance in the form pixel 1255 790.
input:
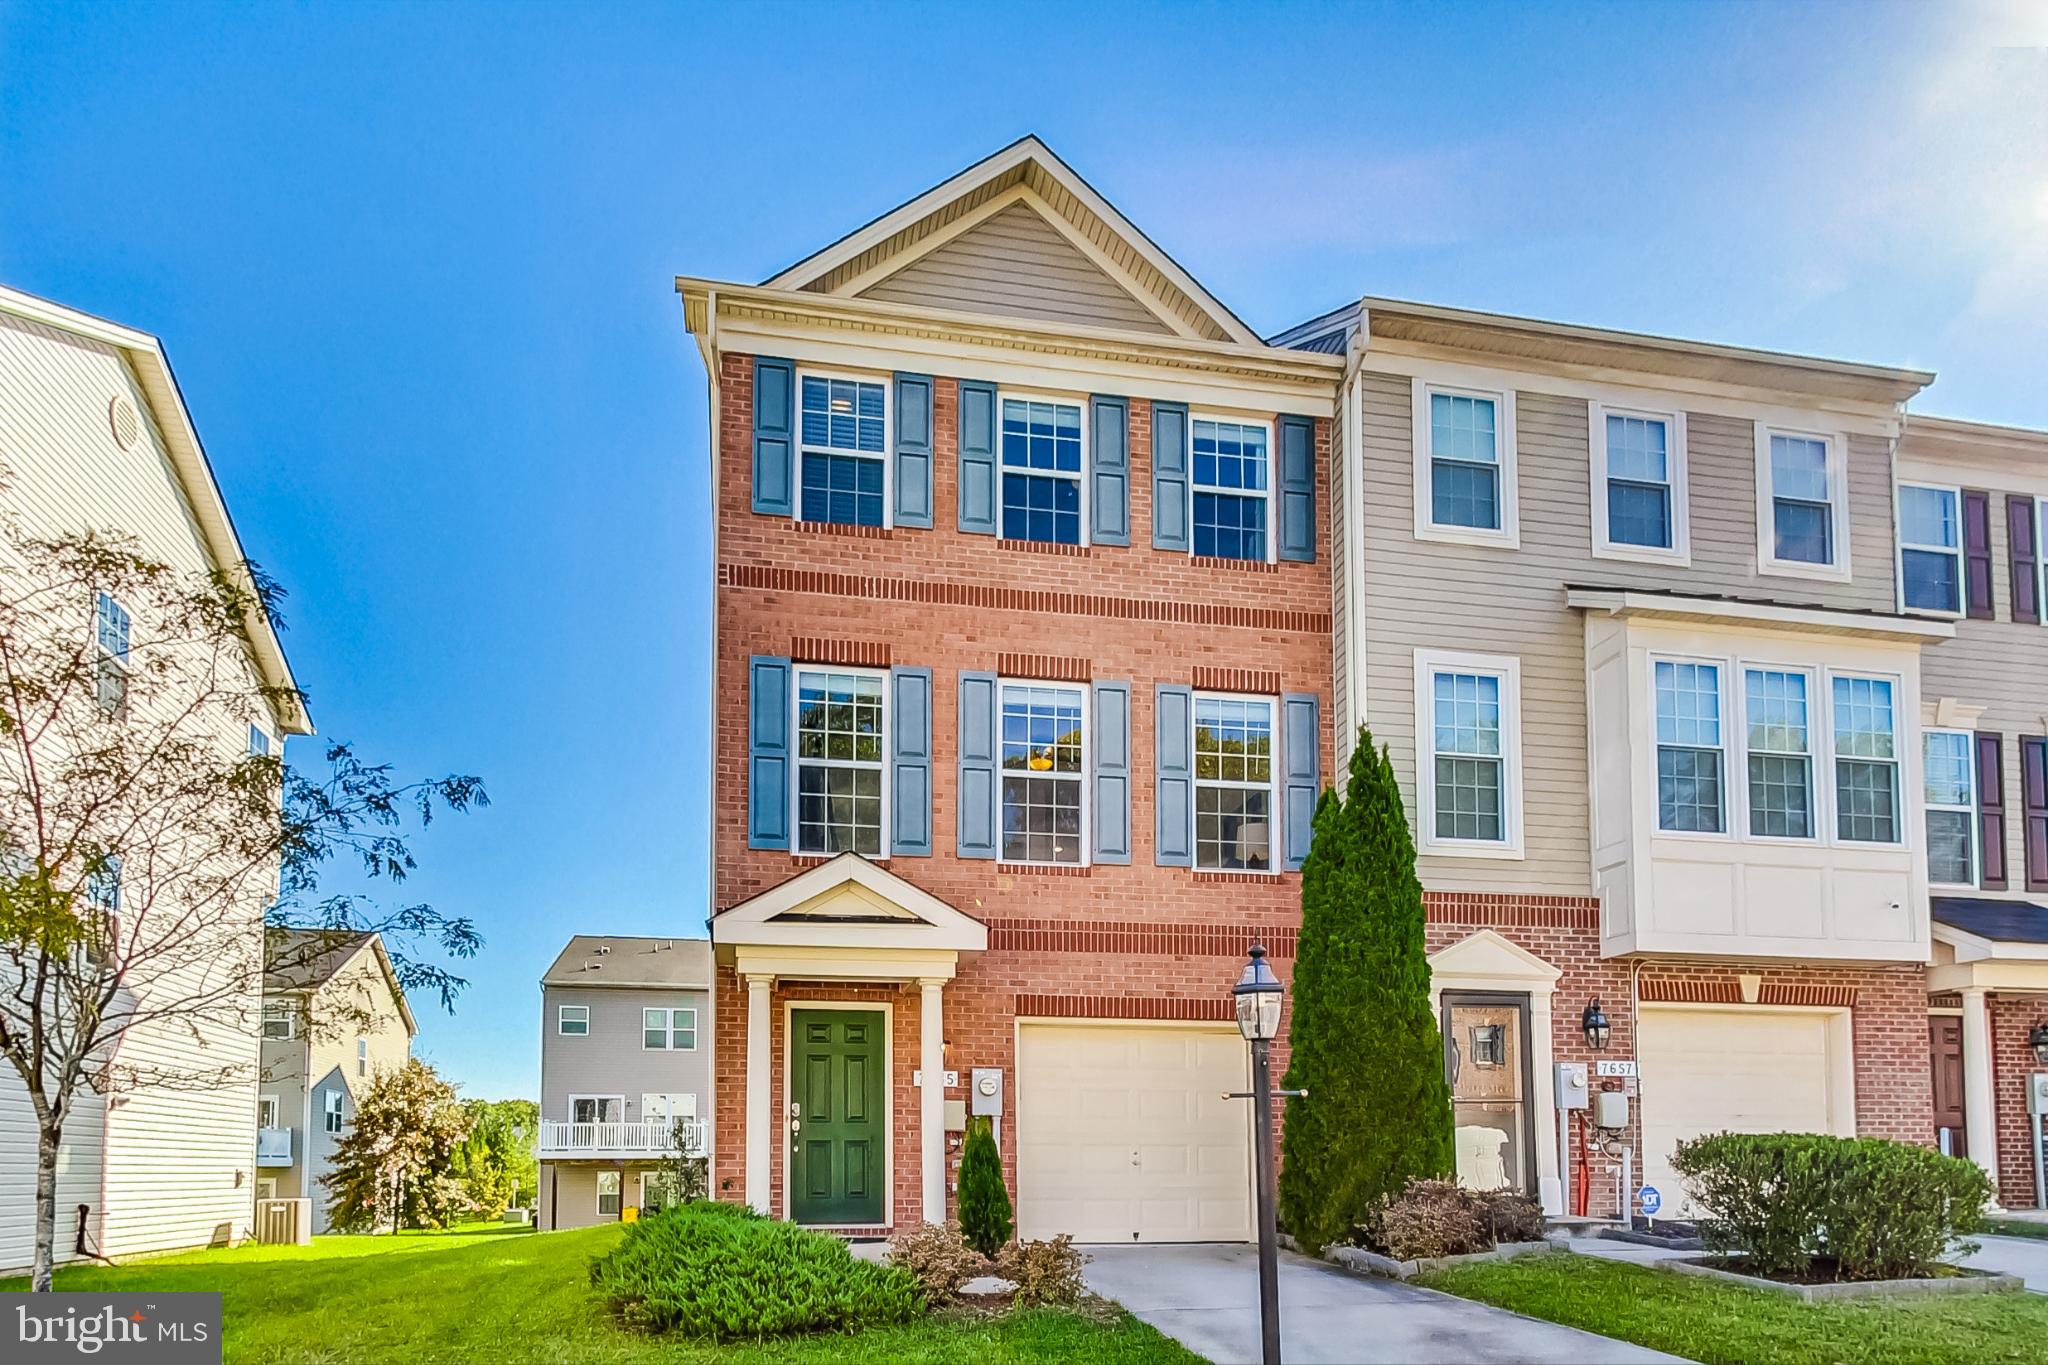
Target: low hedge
pixel 1808 1206
pixel 711 1270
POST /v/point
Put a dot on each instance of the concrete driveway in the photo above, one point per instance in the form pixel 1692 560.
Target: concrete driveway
pixel 1206 1296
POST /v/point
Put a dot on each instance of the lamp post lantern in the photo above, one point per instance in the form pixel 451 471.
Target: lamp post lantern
pixel 1256 998
pixel 1593 1023
pixel 2037 1039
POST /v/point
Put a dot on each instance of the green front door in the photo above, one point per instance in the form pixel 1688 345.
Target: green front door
pixel 838 1121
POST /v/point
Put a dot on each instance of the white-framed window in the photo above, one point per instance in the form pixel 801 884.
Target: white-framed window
pixel 842 778
pixel 362 1056
pixel 1235 802
pixel 1866 760
pixel 259 742
pixel 1231 482
pixel 572 1020
pixel 1045 766
pixel 1931 548
pixel 330 1110
pixel 1776 714
pixel 1949 774
pixel 266 1111
pixel 1044 455
pixel 608 1186
pixel 1469 771
pixel 667 1108
pixel 1465 478
pixel 1802 503
pixel 103 896
pixel 597 1108
pixel 280 1020
pixel 668 1030
pixel 1639 484
pixel 654 1193
pixel 842 449
pixel 110 637
pixel 1692 759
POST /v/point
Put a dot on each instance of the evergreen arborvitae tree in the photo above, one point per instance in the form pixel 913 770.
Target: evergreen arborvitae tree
pixel 1361 1040
pixel 984 1201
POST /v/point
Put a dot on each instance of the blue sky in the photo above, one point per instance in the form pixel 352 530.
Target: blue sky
pixel 412 265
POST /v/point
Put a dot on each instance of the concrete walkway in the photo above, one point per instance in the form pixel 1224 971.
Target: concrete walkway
pixel 1206 1296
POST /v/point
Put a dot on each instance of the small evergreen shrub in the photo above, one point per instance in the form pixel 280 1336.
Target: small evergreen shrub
pixel 1044 1272
pixel 984 1199
pixel 1807 1206
pixel 719 1271
pixel 939 1257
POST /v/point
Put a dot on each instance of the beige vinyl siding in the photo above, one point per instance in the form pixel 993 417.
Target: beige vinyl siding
pixel 178 1164
pixel 1429 594
pixel 78 1175
pixel 1017 263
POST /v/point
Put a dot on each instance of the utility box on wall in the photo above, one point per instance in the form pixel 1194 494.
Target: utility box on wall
pixel 2037 1092
pixel 985 1094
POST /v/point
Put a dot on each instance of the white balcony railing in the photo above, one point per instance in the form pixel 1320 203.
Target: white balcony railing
pixel 273 1146
pixel 561 1138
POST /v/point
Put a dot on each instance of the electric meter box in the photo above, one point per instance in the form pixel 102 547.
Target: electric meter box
pixel 1572 1086
pixel 1610 1109
pixel 2037 1093
pixel 985 1093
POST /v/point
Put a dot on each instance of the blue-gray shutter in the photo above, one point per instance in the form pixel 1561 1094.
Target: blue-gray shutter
pixel 768 721
pixel 910 759
pixel 774 436
pixel 1301 773
pixel 1169 476
pixel 914 450
pixel 1112 795
pixel 1298 488
pixel 978 458
pixel 1109 471
pixel 975 828
pixel 1173 771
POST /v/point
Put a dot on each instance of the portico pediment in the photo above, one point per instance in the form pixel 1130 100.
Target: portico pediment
pixel 846 905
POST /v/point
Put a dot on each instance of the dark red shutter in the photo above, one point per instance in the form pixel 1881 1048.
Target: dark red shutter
pixel 1991 808
pixel 2019 525
pixel 2034 796
pixel 1977 555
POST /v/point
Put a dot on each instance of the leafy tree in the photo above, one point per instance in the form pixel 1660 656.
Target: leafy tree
pixel 1362 1040
pixel 142 848
pixel 396 1162
pixel 984 1199
pixel 496 1163
pixel 684 1175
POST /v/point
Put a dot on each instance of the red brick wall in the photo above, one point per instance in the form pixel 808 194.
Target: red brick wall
pixel 2012 1061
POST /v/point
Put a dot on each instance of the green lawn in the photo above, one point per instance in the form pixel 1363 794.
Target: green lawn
pixel 1724 1324
pixel 490 1293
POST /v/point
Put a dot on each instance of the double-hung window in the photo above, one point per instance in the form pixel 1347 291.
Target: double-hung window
pixel 1950 773
pixel 362 1056
pixel 1464 465
pixel 103 897
pixel 1234 801
pixel 1801 528
pixel 1931 548
pixel 842 428
pixel 1780 754
pixel 331 1110
pixel 1691 762
pixel 110 635
pixel 609 1185
pixel 1044 757
pixel 668 1030
pixel 572 1021
pixel 279 1019
pixel 1866 761
pixel 839 761
pixel 1639 502
pixel 1042 464
pixel 1232 488
pixel 259 743
pixel 1467 709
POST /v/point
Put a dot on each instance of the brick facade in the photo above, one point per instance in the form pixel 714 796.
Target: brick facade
pixel 2012 1062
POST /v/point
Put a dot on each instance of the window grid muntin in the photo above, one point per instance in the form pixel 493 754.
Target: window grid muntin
pixel 1043 722
pixel 842 444
pixel 1949 781
pixel 1639 477
pixel 1467 756
pixel 1778 740
pixel 1931 541
pixel 1691 761
pixel 1233 753
pixel 842 753
pixel 1802 499
pixel 675 1028
pixel 1042 460
pixel 1865 728
pixel 1230 483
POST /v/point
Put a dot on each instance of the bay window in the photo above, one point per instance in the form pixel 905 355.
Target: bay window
pixel 1780 768
pixel 1866 761
pixel 1691 765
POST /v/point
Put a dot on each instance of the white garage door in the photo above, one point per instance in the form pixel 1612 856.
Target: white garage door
pixel 1123 1133
pixel 1741 1071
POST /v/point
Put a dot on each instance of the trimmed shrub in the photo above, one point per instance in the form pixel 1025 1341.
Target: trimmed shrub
pixel 1513 1217
pixel 1443 1218
pixel 939 1257
pixel 984 1199
pixel 719 1271
pixel 1808 1206
pixel 1044 1272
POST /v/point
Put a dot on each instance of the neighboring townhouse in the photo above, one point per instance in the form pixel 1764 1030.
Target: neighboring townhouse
pixel 1971 504
pixel 1022 669
pixel 334 1019
pixel 625 1056
pixel 95 436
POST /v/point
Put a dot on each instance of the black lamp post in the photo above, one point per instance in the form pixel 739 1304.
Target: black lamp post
pixel 1257 997
pixel 1595 1026
pixel 2037 1039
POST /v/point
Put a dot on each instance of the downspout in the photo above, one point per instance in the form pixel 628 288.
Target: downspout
pixel 1350 395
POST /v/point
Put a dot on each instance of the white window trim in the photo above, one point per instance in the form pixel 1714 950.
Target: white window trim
pixel 669 1027
pixel 1675 472
pixel 333 1112
pixel 1065 400
pixel 1733 755
pixel 1969 811
pixel 362 1056
pixel 598 1194
pixel 266 1103
pixel 1507 668
pixel 888 452
pixel 606 1095
pixel 1272 480
pixel 1274 832
pixel 2040 567
pixel 284 1010
pixel 1902 545
pixel 1509 534
pixel 1909 805
pixel 562 1019
pixel 797 763
pixel 1087 691
pixel 1738 781
pixel 1767 561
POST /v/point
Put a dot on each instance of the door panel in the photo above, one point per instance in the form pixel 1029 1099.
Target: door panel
pixel 1945 1048
pixel 837 1118
pixel 1486 1060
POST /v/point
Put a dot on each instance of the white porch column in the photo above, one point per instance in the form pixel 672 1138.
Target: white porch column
pixel 1980 1123
pixel 931 1142
pixel 760 1116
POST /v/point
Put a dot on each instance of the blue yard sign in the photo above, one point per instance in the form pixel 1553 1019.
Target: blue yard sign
pixel 1651 1199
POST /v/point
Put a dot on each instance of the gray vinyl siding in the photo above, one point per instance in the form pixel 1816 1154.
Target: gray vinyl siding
pixel 1016 263
pixel 1427 594
pixel 610 1060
